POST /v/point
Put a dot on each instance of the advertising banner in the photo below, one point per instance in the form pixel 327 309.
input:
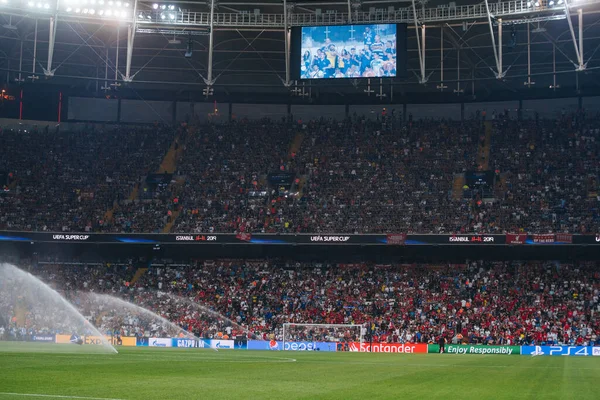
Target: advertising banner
pixel 545 238
pixel 396 238
pixel 388 347
pixel 301 238
pixel 560 351
pixel 43 338
pixel 293 346
pixel 160 342
pixel 141 341
pixel 97 340
pixel 564 238
pixel 516 238
pixel 178 342
pixel 221 344
pixel 476 349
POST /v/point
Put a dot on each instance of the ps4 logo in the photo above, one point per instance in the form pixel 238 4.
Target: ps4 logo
pixel 538 351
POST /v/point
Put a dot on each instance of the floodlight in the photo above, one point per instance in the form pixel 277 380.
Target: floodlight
pixel 126 5
pixel 155 6
pixel 101 12
pixel 77 10
pixel 92 11
pixel 31 4
pixel 108 13
pixel 560 2
pixel 172 16
pixel 46 6
pixel 123 14
pixel 69 9
pixel 163 7
pixel 118 4
pixel 162 16
pixel 537 3
pixel 171 7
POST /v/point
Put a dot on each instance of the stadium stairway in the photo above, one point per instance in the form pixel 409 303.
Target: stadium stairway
pixel 483 153
pixel 457 186
pixel 138 274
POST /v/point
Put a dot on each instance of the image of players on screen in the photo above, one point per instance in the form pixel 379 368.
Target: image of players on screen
pixel 348 51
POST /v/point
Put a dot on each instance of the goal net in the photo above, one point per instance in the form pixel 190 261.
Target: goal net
pixel 322 337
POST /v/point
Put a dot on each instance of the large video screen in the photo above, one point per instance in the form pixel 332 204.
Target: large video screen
pixel 348 51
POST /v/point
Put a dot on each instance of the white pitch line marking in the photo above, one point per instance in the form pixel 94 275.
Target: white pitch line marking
pixel 54 396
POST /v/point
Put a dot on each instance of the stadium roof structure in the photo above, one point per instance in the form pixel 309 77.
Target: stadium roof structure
pixel 241 49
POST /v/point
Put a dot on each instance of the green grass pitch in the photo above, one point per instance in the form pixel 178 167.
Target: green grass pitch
pixel 30 371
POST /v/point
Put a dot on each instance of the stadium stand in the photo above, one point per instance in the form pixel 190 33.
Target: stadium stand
pixel 475 302
pixel 350 176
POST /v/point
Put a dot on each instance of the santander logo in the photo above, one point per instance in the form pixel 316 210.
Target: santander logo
pixel 388 348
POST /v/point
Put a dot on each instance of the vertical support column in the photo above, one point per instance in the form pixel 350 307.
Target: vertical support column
pixel 554 85
pixel 421 51
pixel 489 17
pixel 34 48
pixel 528 83
pixel 131 28
pixel 287 44
pixel 51 38
pixel 350 11
pixel 106 69
pixel 500 48
pixel 578 52
pixel 580 14
pixel 20 79
pixel 458 89
pixel 209 80
pixel 441 85
pixel 117 56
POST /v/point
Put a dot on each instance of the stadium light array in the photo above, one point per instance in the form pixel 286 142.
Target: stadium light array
pixel 160 12
pixel 38 6
pixel 100 8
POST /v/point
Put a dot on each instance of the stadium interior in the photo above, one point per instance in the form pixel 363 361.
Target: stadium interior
pixel 339 176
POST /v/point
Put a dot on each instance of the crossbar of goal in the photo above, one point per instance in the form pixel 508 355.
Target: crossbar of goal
pixel 350 326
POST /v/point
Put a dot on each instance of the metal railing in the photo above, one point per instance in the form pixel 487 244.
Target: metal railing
pixel 428 15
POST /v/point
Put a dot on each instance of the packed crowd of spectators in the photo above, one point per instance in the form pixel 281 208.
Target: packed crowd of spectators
pixel 475 302
pixel 67 181
pixel 353 176
pixel 551 171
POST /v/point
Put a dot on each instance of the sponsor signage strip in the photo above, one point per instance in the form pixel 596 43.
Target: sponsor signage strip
pixel 560 351
pixel 475 349
pixel 408 348
pixel 390 239
pixel 293 346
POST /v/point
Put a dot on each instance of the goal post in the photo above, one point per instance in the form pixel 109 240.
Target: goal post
pixel 333 334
